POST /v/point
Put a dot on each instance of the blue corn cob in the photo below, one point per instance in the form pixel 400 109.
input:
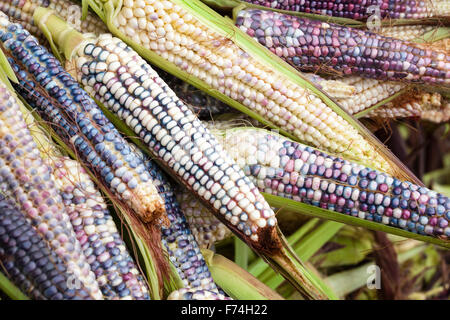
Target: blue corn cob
pixel 181 246
pixel 284 168
pixel 58 98
pixel 27 179
pixel 28 261
pixel 114 268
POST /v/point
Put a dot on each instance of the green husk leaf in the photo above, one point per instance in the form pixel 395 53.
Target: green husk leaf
pixel 292 268
pixel 306 248
pixel 313 211
pixel 225 27
pixel 236 281
pixel 10 289
pixel 353 246
pixel 434 35
pixel 6 72
pixel 348 281
pixel 241 251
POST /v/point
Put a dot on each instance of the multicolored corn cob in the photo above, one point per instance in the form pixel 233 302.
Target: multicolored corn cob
pixel 182 34
pixel 192 294
pixel 114 268
pixel 368 92
pixel 284 168
pixel 184 252
pixel 27 179
pixel 201 104
pixel 424 105
pixel 21 11
pixel 206 228
pixel 26 259
pixel 58 98
pixel 361 10
pixel 320 46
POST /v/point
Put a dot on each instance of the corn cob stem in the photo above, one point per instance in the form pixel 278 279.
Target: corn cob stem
pixel 314 45
pixel 283 168
pixel 178 140
pixel 27 179
pixel 281 98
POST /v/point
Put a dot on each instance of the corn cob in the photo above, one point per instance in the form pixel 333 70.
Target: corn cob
pixel 21 11
pixel 288 169
pixel 116 272
pixel 79 121
pixel 319 46
pixel 28 261
pixel 206 107
pixel 124 83
pixel 361 10
pixel 25 178
pixel 423 105
pixel 206 228
pixel 368 92
pixel 203 105
pixel 183 250
pixel 192 294
pixel 204 49
pixel 406 33
pixel 333 87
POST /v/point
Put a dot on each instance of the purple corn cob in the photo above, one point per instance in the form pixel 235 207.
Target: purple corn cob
pixel 320 46
pixel 363 9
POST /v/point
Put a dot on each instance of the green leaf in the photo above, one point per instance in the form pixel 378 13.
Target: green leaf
pixel 241 251
pixel 235 281
pixel 10 289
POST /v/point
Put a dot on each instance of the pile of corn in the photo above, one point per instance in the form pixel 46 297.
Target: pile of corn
pixel 130 147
